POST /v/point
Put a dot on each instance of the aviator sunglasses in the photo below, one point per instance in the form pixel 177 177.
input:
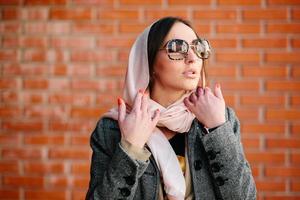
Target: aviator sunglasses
pixel 177 49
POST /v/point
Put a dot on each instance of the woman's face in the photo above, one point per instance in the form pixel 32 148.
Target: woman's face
pixel 177 74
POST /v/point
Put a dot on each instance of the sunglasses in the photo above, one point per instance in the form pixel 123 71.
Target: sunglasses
pixel 177 49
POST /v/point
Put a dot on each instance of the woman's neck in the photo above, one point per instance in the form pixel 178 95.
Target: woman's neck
pixel 166 97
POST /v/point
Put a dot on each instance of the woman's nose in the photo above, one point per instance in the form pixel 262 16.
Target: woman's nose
pixel 191 57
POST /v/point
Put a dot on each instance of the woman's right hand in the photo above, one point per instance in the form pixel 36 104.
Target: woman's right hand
pixel 137 125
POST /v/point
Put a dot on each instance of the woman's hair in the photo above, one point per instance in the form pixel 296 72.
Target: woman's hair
pixel 158 31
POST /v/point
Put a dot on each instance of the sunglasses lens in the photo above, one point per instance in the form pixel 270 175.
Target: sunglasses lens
pixel 177 49
pixel 201 48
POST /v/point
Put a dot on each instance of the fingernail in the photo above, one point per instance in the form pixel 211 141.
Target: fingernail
pixel 120 101
pixel 141 91
pixel 157 110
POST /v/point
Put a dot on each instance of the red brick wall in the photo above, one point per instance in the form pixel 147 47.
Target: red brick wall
pixel 62 65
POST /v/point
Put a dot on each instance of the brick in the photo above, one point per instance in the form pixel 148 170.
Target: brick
pixel 21 153
pixel 295 43
pixel 238 57
pixel 36 84
pixel 237 28
pixel 9 27
pixel 74 126
pixel 105 99
pixel 11 2
pixel 240 85
pixel 69 153
pixel 10 41
pixel 111 71
pixel 80 168
pixel 265 158
pixel 291 172
pixel 263 185
pixel 281 197
pixel 120 14
pixel 8 55
pixel 9 167
pixel 202 28
pixel 9 96
pixel 8 112
pixel 283 28
pixel 43 168
pixel 282 143
pixel 8 83
pixel 33 41
pixel 25 69
pixel 74 99
pixel 282 114
pixel 93 28
pixel 137 2
pixel 45 2
pixel 247 114
pixel 267 100
pixel 221 71
pixel 238 3
pixel 274 85
pixel 295 72
pixel 35 55
pixel 70 14
pixel 10 14
pixel 33 13
pixel 88 112
pixel 283 2
pixel 59 69
pixel 78 195
pixel 106 3
pixel 250 143
pixel 80 140
pixel 296 14
pixel 221 43
pixel 12 194
pixel 265 128
pixel 80 182
pixel 131 28
pixel 264 43
pixel 85 85
pixel 284 57
pixel 23 125
pixel 9 139
pixel 266 14
pixel 295 100
pixel 33 98
pixel 154 14
pixel 49 194
pixel 265 71
pixel 91 55
pixel 295 186
pixel 215 14
pixel 57 182
pixel 115 42
pixel 295 157
pixel 44 140
pixel 72 42
pixel 53 28
pixel 23 181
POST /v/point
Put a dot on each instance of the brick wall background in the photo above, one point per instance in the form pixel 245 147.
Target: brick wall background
pixel 62 65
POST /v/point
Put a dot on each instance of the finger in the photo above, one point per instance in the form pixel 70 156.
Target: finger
pixel 122 110
pixel 207 90
pixel 218 91
pixel 188 103
pixel 156 116
pixel 200 91
pixel 193 98
pixel 145 99
pixel 137 101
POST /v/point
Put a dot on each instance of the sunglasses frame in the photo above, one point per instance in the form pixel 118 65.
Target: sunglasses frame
pixel 189 46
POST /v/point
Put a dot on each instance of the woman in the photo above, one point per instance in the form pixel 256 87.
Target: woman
pixel 169 138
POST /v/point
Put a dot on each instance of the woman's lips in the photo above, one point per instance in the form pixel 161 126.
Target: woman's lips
pixel 190 74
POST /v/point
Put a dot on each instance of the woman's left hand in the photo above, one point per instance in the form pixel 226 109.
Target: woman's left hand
pixel 208 107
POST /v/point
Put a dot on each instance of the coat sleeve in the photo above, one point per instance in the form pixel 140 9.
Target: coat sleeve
pixel 114 174
pixel 228 166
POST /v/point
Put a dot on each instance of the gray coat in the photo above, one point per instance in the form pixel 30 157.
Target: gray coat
pixel 219 169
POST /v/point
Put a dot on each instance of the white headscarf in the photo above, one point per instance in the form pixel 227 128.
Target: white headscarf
pixel 175 117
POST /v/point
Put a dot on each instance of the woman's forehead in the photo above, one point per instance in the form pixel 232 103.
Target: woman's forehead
pixel 181 31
